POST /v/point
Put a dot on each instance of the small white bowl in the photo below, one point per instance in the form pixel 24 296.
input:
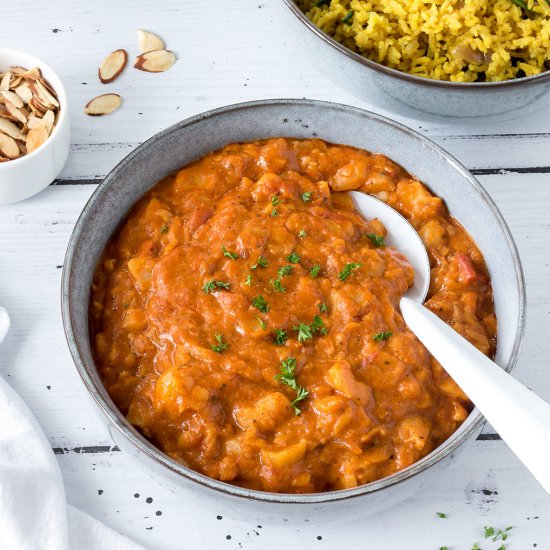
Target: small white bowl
pixel 25 176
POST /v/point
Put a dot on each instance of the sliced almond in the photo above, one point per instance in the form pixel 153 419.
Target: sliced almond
pixel 103 104
pixel 8 147
pixel 12 98
pixel 33 74
pixel 35 138
pixel 4 113
pixel 43 95
pixel 48 119
pixel 11 129
pixel 147 41
pixel 22 148
pixel 156 61
pixel 34 122
pixel 24 92
pixel 112 66
pixel 5 82
pixel 16 113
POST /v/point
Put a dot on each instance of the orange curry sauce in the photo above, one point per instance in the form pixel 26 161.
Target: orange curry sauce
pixel 194 315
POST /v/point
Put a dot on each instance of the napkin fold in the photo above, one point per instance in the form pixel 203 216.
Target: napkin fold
pixel 34 514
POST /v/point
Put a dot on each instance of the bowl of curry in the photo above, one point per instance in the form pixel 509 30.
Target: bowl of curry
pixel 237 321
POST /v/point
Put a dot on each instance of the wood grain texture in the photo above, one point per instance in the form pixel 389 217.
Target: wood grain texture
pixel 240 51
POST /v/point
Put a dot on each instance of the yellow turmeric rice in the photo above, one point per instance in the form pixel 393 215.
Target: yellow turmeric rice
pixel 457 40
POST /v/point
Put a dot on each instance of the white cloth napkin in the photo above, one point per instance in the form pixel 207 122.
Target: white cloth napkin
pixel 34 514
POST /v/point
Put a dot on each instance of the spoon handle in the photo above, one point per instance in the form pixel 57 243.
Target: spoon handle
pixel 520 417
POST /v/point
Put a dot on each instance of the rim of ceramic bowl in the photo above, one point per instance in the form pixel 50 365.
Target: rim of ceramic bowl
pixel 97 391
pixel 61 96
pixel 300 15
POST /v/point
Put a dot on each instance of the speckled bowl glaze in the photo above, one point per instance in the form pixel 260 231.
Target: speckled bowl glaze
pixel 408 95
pixel 189 140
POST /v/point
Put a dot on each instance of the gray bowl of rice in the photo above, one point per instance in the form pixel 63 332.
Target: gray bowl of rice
pixel 462 59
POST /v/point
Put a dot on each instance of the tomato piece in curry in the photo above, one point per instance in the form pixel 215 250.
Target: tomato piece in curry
pixel 245 318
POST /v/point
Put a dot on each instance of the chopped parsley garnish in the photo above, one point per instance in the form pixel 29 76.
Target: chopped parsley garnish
pixel 301 394
pixel 221 346
pixel 275 200
pixel 489 531
pixel 285 270
pixel 443 548
pixel 277 285
pixel 287 376
pixel 304 332
pixel 302 234
pixel 442 515
pixel 306 197
pixel 376 240
pixel 523 5
pixel 318 325
pixel 476 546
pixel 260 304
pixel 248 280
pixel 293 258
pixel 501 534
pixel 320 3
pixel 164 229
pixel 262 322
pixel 212 286
pixel 379 337
pixel 262 262
pixel 229 254
pixel 314 271
pixel 347 18
pixel 322 307
pixel 346 272
pixel 274 213
pixel 501 547
pixel 280 337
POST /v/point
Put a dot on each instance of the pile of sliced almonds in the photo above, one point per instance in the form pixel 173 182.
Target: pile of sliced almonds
pixel 29 109
pixel 153 58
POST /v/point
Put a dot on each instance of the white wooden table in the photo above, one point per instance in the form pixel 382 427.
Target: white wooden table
pixel 238 54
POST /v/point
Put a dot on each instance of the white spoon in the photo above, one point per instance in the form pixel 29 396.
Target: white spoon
pixel 520 417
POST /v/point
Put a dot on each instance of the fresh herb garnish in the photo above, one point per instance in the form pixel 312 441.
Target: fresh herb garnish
pixel 521 4
pixel 346 272
pixel 248 280
pixel 274 213
pixel 262 322
pixel 287 376
pixel 489 531
pixel 275 200
pixel 293 258
pixel 320 3
pixel 221 346
pixel 476 546
pixel 376 240
pixel 260 304
pixel 262 262
pixel 501 534
pixel 322 307
pixel 301 394
pixel 302 234
pixel 164 229
pixel 442 515
pixel 306 197
pixel 277 285
pixel 285 270
pixel 212 286
pixel 318 325
pixel 314 271
pixel 379 337
pixel 443 548
pixel 229 254
pixel 304 332
pixel 347 18
pixel 280 337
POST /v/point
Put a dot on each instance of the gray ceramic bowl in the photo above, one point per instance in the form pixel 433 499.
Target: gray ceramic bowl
pixel 410 95
pixel 190 139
